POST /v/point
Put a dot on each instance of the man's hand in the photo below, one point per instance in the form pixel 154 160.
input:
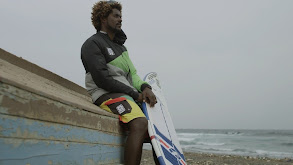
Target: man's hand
pixel 149 97
pixel 140 98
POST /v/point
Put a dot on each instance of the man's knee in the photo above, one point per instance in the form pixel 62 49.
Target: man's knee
pixel 139 125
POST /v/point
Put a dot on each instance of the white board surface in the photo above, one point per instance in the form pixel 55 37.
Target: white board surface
pixel 160 127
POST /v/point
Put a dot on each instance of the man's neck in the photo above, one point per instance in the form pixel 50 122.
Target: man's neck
pixel 110 33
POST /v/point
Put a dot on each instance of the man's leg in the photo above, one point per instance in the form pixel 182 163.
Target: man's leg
pixel 137 133
pixel 135 121
pixel 148 140
pixel 155 157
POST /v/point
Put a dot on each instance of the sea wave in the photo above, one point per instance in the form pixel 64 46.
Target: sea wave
pixel 210 144
pixel 185 139
pixel 191 143
pixel 287 144
pixel 273 154
pixel 234 133
pixel 209 134
pixel 196 134
pixel 274 133
pixel 237 151
pixel 267 143
pixel 211 149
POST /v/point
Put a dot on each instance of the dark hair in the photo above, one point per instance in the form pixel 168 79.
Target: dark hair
pixel 102 9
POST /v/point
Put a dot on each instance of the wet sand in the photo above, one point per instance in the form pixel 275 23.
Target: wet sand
pixel 213 159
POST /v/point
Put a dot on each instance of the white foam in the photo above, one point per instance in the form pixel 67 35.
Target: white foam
pixel 247 143
pixel 274 153
pixel 206 148
pixel 208 134
pixel 210 144
pixel 185 139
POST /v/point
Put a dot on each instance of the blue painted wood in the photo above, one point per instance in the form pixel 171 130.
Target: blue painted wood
pixel 37 142
pixel 38 152
pixel 47 120
pixel 13 126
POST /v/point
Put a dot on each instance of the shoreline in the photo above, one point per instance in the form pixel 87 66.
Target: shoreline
pixel 213 159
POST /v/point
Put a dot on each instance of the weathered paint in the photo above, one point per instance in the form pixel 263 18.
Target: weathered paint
pixel 37 142
pixel 39 152
pixel 33 68
pixel 15 127
pixel 18 102
pixel 49 88
pixel 45 119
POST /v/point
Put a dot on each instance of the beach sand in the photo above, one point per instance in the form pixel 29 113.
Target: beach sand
pixel 213 159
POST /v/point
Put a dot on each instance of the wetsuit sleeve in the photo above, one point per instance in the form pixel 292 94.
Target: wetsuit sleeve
pixel 95 63
pixel 136 80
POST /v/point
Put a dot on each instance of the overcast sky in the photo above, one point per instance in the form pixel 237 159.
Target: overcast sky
pixel 222 63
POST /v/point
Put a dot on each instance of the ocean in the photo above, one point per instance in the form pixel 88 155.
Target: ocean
pixel 255 143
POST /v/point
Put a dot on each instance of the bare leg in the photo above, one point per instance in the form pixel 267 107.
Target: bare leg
pixel 155 157
pixel 148 140
pixel 137 133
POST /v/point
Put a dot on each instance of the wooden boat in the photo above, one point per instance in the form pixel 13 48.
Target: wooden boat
pixel 48 120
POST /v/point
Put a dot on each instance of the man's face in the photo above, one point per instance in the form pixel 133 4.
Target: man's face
pixel 114 21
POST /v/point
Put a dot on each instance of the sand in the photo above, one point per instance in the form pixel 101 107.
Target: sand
pixel 213 159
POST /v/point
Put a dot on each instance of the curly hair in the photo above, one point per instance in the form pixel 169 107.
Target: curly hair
pixel 103 9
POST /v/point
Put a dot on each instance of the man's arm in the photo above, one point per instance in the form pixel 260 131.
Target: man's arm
pixel 136 80
pixel 95 63
pixel 147 94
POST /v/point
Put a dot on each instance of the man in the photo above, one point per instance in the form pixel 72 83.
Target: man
pixel 111 78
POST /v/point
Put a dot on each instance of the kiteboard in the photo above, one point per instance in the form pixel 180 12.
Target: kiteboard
pixel 160 127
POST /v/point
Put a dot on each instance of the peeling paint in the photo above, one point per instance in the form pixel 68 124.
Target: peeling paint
pixel 89 162
pixel 2 109
pixel 1 96
pixel 12 142
pixel 24 134
pixel 13 93
pixel 99 125
pixel 49 110
pixel 61 151
pixel 14 127
pixel 43 122
pixel 29 122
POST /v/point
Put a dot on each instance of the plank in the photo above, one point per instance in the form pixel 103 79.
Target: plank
pixel 36 142
pixel 22 128
pixel 18 102
pixel 39 152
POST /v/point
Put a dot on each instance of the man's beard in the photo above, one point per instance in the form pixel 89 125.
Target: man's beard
pixel 114 30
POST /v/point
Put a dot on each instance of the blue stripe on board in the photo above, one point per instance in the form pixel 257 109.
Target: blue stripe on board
pixel 163 137
pixel 169 142
pixel 144 109
pixel 171 158
pixel 181 155
pixel 161 160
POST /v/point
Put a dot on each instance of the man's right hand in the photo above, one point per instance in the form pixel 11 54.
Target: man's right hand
pixel 148 96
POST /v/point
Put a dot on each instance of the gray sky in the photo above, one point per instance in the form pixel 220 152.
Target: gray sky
pixel 222 63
